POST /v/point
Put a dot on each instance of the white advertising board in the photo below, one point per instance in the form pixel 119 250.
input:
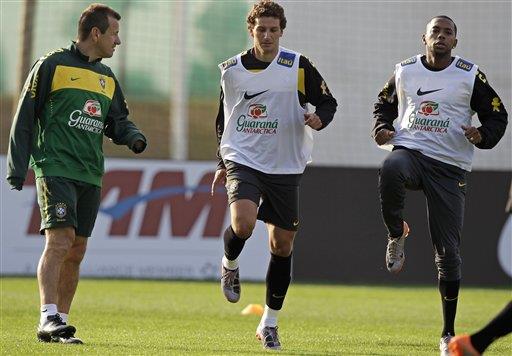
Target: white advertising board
pixel 156 220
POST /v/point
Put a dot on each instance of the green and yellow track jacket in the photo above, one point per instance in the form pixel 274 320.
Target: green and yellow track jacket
pixel 66 106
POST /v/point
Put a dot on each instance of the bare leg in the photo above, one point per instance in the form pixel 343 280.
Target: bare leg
pixel 280 240
pixel 58 244
pixel 243 217
pixel 69 274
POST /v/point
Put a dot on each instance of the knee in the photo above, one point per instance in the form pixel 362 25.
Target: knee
pixel 243 227
pixel 282 248
pixel 76 254
pixel 449 265
pixel 59 251
pixel 392 167
pixel 58 243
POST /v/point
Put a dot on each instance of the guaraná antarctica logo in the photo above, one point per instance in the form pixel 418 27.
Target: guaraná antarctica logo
pixel 257 111
pixel 82 119
pixel 425 119
pixel 92 108
pixel 256 121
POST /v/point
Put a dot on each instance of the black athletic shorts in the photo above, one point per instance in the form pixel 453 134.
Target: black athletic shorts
pixel 276 194
pixel 67 202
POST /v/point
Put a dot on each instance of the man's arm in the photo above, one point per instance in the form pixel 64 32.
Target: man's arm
pixel 386 108
pixel 31 103
pixel 219 129
pixel 317 93
pixel 491 112
pixel 117 126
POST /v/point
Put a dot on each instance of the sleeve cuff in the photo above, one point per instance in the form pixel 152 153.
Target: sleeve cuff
pixel 135 138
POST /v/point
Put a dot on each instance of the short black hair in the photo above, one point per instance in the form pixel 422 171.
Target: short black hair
pixel 446 18
pixel 95 15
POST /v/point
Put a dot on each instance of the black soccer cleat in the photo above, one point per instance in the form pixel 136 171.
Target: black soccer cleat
pixel 54 327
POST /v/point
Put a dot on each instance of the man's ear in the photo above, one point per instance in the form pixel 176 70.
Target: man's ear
pixel 95 33
pixel 455 43
pixel 423 39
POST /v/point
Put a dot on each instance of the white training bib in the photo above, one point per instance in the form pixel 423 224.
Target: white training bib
pixel 433 105
pixel 263 119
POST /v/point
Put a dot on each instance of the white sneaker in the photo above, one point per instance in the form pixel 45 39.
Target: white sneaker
pixel 443 345
pixel 395 254
pixel 230 284
pixel 268 337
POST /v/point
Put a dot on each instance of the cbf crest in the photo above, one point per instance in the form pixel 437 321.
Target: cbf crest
pixel 102 82
pixel 61 210
pixel 232 186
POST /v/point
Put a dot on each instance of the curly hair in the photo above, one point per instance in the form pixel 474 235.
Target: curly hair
pixel 266 8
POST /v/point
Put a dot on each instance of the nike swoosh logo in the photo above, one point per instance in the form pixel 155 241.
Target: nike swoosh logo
pixel 420 93
pixel 44 311
pixel 450 299
pixel 461 184
pixel 278 296
pixel 73 79
pixel 247 96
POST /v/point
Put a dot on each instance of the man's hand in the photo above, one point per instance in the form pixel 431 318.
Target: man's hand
pixel 16 183
pixel 383 136
pixel 220 178
pixel 139 146
pixel 472 134
pixel 313 121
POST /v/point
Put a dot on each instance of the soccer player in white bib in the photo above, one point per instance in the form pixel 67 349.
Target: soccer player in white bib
pixel 501 325
pixel 265 140
pixel 424 112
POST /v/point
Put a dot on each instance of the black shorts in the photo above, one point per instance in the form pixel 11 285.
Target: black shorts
pixel 67 202
pixel 277 193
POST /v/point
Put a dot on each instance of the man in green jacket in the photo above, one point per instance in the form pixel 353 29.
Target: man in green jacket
pixel 70 99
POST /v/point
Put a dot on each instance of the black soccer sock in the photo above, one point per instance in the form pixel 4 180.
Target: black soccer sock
pixel 500 326
pixel 233 244
pixel 278 280
pixel 449 295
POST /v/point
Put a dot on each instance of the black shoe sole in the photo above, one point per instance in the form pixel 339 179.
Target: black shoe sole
pixel 69 340
pixel 67 332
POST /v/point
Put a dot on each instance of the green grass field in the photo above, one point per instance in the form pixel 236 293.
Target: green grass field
pixel 128 317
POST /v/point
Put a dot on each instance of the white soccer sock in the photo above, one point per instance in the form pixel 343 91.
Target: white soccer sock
pixel 46 311
pixel 269 317
pixel 64 317
pixel 229 264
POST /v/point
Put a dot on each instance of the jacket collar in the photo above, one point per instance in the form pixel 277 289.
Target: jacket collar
pixel 74 49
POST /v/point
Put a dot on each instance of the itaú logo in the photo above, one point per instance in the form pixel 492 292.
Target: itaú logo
pixel 188 205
